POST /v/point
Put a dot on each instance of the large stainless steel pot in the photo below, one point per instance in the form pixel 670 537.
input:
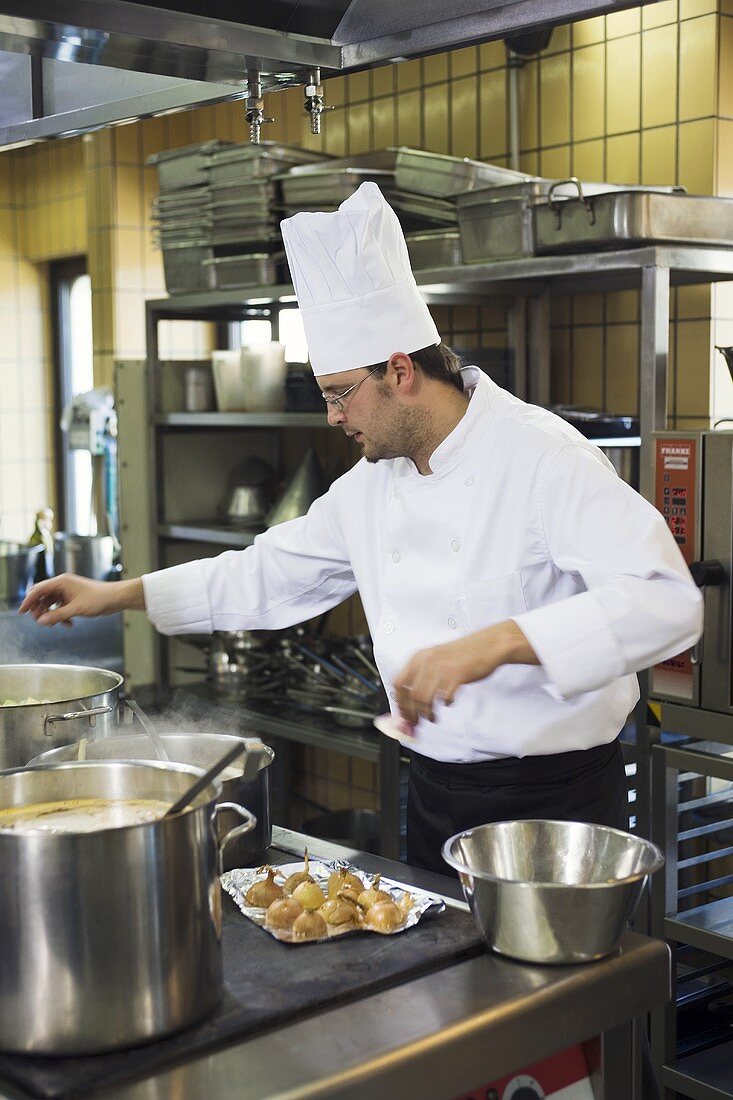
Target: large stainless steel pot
pixel 110 938
pixel 73 699
pixel 17 572
pixel 200 750
pixel 87 555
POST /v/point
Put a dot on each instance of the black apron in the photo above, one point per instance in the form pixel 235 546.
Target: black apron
pixel 444 799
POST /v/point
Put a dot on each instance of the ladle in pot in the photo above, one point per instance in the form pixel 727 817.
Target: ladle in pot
pixel 252 762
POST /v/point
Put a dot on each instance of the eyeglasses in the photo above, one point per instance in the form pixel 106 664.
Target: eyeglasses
pixel 336 401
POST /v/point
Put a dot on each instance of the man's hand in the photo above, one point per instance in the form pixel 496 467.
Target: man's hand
pixel 434 675
pixel 59 599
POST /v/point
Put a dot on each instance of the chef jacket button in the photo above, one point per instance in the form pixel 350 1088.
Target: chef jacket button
pixel 452 623
pixel 470 480
pixel 388 628
pixel 395 556
pixel 455 546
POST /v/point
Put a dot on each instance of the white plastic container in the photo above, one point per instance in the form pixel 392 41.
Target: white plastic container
pixel 264 371
pixel 250 380
pixel 227 371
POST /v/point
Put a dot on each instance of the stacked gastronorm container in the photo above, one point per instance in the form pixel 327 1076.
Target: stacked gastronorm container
pixel 217 215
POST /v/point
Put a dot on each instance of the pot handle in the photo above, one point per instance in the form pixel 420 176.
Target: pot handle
pixel 71 716
pixel 249 823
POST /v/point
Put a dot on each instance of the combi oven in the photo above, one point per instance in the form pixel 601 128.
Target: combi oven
pixel 694 493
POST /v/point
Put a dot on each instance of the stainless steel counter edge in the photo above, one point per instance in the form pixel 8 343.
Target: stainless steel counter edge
pixel 436 1036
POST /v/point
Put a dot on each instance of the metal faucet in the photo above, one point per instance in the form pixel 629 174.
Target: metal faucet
pixel 255 106
pixel 314 100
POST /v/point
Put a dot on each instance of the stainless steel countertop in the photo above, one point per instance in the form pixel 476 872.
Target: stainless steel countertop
pixel 438 1035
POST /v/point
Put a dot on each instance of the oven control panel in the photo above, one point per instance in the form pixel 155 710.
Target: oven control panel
pixel 675 495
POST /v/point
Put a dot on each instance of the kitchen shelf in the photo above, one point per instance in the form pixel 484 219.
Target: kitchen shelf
pixel 207 532
pixel 703 1076
pixel 708 927
pixel 241 420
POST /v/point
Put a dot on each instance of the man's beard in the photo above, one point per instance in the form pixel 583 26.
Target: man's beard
pixel 406 437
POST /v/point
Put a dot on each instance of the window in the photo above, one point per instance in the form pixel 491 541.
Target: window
pixel 72 303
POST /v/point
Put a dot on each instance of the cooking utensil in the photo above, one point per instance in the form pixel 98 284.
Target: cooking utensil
pixel 150 730
pixel 304 487
pixel 551 891
pixel 200 750
pixel 73 699
pixel 113 938
pixel 204 780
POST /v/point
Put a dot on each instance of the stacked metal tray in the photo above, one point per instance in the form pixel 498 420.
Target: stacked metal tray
pixel 220 199
pixel 328 187
pixel 443 176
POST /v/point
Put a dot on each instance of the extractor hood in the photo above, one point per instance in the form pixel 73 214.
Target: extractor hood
pixel 70 66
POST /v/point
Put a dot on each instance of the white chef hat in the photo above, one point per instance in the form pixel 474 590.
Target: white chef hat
pixel 357 295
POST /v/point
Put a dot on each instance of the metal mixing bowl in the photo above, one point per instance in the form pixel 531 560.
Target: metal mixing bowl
pixel 551 891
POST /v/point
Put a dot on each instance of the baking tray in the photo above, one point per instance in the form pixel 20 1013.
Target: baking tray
pixel 243 190
pixel 254 269
pixel 434 248
pixel 622 218
pixel 437 174
pixel 187 166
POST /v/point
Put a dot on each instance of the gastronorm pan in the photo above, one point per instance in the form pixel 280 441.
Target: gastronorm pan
pixel 622 218
pixel 255 269
pixel 328 186
pixel 434 248
pixel 183 266
pixel 187 166
pixel 246 161
pixel 437 174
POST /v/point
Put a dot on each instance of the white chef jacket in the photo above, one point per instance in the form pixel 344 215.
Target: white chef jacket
pixel 521 518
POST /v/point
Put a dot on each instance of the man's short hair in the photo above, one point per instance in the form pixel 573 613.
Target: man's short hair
pixel 437 361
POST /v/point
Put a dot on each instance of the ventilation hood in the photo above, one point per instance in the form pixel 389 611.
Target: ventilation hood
pixel 74 66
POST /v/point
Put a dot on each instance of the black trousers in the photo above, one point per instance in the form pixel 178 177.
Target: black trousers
pixel 444 799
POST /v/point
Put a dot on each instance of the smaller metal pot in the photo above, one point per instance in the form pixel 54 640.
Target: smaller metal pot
pixel 86 555
pixel 74 701
pixel 17 572
pixel 199 750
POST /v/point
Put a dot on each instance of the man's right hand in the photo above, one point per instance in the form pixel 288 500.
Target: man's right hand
pixel 60 599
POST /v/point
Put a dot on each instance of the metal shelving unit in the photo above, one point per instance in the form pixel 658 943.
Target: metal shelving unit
pixel 692 819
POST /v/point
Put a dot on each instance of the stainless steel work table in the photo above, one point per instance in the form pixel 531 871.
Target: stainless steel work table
pixel 440 1035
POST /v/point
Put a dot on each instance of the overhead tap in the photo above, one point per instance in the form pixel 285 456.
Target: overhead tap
pixel 314 104
pixel 255 106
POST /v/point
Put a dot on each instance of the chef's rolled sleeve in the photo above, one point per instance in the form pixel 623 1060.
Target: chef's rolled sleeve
pixel 641 605
pixel 176 601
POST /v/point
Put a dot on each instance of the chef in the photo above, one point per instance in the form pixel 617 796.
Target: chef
pixel 513 584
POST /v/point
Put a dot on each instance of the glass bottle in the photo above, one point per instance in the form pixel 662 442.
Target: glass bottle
pixel 42 535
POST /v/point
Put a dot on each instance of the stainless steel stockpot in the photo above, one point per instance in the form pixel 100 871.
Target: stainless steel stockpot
pixel 111 938
pixel 200 750
pixel 76 701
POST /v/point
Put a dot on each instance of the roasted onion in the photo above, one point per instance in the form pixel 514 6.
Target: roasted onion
pixel 265 890
pixel 384 916
pixel 283 912
pixel 339 913
pixel 342 878
pixel 309 894
pixel 373 895
pixel 299 876
pixel 309 926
